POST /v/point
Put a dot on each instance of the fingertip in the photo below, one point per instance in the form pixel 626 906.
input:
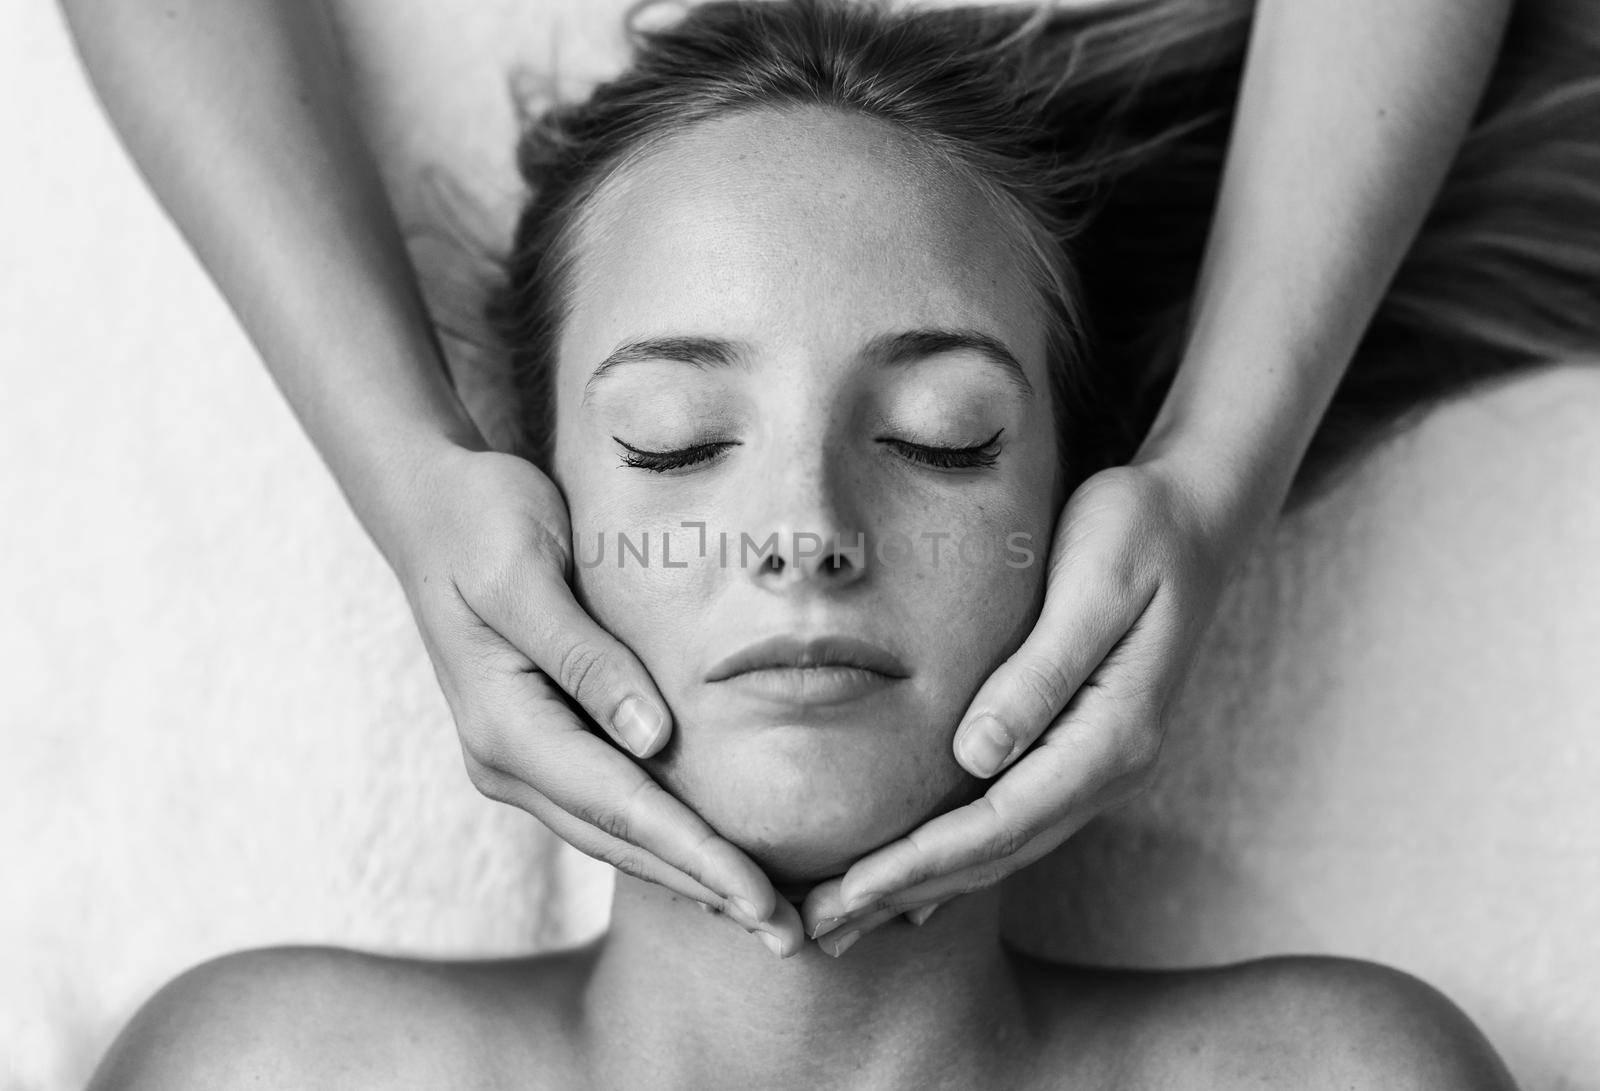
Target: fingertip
pixel 788 922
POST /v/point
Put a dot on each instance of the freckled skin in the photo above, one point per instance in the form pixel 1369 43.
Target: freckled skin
pixel 883 241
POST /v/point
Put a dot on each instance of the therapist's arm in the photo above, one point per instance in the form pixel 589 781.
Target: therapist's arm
pixel 236 113
pixel 1349 116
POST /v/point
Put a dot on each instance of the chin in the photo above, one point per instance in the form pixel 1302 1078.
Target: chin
pixel 804 806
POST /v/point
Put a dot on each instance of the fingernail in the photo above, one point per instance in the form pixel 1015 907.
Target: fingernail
pixel 638 722
pixel 843 943
pixel 826 925
pixel 743 912
pixel 920 915
pixel 774 943
pixel 984 746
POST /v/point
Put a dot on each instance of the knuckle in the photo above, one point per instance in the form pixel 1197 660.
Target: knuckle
pixel 482 740
pixel 1142 777
pixel 1007 840
pixel 609 822
pixel 1005 835
pixel 1141 752
pixel 987 875
pixel 486 780
pixel 922 861
pixel 580 667
pixel 619 821
pixel 1044 682
pixel 628 859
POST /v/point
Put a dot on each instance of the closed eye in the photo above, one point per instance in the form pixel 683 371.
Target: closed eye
pixel 978 456
pixel 661 462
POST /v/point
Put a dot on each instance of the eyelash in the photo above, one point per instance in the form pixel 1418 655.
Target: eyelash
pixel 660 462
pixel 978 456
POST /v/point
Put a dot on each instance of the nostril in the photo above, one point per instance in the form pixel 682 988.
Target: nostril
pixel 805 555
pixel 838 563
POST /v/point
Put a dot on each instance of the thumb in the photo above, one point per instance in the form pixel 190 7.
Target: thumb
pixel 548 625
pixel 1082 620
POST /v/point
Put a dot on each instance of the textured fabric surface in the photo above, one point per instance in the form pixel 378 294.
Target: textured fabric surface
pixel 221 730
pixel 1389 745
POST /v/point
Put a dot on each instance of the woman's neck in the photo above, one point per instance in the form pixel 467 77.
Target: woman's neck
pixel 681 998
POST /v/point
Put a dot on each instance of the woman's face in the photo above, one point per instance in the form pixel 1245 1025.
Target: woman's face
pixel 804 424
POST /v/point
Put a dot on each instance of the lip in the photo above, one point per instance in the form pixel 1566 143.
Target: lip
pixel 825 670
pixel 792 653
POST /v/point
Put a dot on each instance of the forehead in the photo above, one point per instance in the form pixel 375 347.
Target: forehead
pixel 770 223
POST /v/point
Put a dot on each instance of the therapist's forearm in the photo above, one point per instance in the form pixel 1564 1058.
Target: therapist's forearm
pixel 236 113
pixel 1350 114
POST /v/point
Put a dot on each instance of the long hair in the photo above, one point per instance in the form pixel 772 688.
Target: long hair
pixel 1098 136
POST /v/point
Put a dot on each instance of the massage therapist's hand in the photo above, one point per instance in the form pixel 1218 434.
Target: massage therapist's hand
pixel 1074 719
pixel 1302 248
pixel 483 554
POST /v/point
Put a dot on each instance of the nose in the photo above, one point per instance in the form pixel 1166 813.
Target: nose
pixel 809 532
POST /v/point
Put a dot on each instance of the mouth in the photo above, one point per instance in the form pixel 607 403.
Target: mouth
pixel 814 671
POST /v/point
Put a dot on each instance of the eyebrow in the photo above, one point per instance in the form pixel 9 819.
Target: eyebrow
pixel 913 346
pixel 886 350
pixel 700 352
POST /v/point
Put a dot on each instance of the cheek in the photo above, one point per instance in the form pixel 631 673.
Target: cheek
pixel 973 603
pixel 973 612
pixel 627 574
pixel 637 569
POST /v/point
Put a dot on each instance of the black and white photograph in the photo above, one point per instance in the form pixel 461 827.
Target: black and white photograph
pixel 698 545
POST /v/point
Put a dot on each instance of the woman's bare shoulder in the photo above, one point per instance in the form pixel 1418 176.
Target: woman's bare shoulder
pixel 1338 1023
pixel 1303 1022
pixel 315 1017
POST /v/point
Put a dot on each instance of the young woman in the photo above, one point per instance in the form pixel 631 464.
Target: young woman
pixel 818 313
pixel 237 113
